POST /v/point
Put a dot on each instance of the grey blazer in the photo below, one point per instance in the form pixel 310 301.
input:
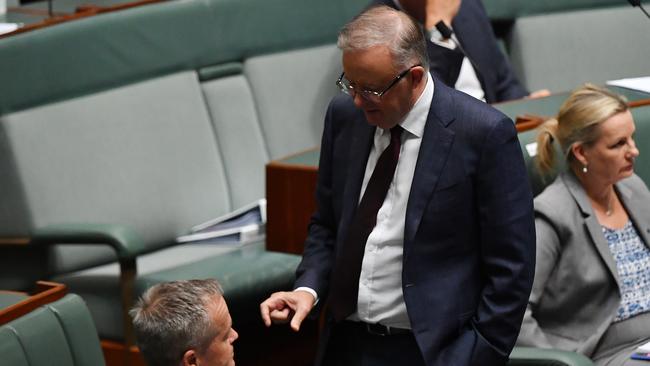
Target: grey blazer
pixel 575 293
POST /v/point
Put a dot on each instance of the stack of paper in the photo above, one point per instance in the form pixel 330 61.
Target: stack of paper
pixel 641 84
pixel 642 353
pixel 8 27
pixel 243 225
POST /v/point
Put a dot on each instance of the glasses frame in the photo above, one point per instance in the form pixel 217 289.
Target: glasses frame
pixel 369 95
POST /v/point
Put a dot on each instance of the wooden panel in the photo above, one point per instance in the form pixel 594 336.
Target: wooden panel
pixel 115 354
pixel 290 195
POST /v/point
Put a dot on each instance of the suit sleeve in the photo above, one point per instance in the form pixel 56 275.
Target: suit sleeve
pixel 318 256
pixel 507 247
pixel 548 251
pixel 476 34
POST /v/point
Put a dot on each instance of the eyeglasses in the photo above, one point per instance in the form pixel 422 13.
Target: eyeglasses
pixel 370 95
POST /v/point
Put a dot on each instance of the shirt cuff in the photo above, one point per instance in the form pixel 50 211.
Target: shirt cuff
pixel 311 291
pixel 435 36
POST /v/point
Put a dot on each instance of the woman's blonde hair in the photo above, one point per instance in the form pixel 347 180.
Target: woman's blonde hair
pixel 577 122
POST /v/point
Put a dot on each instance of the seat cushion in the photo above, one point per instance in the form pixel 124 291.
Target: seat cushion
pixel 247 273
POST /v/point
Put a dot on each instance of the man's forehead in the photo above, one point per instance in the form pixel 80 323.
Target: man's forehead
pixel 368 64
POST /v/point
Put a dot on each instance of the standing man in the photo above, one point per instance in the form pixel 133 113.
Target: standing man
pixel 462 48
pixel 423 243
pixel 184 323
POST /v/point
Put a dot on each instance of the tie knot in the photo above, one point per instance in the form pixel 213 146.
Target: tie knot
pixel 395 133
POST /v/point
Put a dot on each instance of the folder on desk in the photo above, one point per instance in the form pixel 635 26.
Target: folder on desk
pixel 243 225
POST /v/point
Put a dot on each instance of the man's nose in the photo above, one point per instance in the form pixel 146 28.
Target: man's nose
pixel 358 100
pixel 234 336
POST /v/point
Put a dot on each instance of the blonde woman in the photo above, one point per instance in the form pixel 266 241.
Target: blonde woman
pixel 591 292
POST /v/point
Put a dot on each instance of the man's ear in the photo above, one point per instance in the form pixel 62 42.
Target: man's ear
pixel 189 358
pixel 417 74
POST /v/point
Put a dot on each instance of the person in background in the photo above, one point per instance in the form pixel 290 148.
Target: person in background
pixel 592 282
pixel 463 50
pixel 184 323
pixel 422 246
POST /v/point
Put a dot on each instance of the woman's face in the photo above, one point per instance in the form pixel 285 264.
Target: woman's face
pixel 611 157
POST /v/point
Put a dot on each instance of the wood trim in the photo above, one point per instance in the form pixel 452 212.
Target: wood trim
pixel 528 122
pixel 80 13
pixel 114 353
pixel 14 241
pixel 639 103
pixel 45 293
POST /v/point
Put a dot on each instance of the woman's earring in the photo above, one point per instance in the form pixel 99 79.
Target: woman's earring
pixel 584 169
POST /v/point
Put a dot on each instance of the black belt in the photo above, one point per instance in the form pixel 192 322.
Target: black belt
pixel 378 329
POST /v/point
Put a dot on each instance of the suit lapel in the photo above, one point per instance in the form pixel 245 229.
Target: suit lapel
pixel 591 222
pixel 362 138
pixel 434 151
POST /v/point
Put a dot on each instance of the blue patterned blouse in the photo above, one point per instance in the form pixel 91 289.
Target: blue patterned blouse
pixel 633 266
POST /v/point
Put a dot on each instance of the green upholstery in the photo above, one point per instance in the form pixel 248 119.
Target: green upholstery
pixel 291 100
pixel 9 298
pixel 248 274
pixel 61 333
pixel 527 356
pixel 122 131
pixel 512 9
pixel 559 51
pixel 150 121
pixel 119 48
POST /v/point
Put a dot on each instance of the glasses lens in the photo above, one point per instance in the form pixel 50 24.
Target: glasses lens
pixel 344 85
pixel 370 96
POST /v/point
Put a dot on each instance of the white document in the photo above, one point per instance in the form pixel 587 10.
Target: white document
pixel 640 84
pixel 8 27
pixel 644 348
pixel 245 224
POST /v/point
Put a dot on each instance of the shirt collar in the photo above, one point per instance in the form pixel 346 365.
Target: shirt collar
pixel 416 118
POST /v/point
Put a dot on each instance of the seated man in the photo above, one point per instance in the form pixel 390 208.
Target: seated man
pixel 462 49
pixel 184 323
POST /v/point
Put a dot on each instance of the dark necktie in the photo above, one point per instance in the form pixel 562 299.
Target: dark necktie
pixel 344 288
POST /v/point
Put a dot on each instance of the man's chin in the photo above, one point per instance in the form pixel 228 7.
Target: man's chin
pixel 374 118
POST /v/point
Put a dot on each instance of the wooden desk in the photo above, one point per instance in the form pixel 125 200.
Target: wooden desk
pixel 530 113
pixel 24 303
pixel 290 200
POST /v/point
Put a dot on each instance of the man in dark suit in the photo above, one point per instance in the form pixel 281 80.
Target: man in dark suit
pixel 423 243
pixel 465 56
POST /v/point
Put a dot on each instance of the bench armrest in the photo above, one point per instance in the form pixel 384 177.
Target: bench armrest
pixel 529 356
pixel 124 240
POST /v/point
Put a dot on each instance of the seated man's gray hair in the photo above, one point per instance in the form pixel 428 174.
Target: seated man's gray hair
pixel 172 317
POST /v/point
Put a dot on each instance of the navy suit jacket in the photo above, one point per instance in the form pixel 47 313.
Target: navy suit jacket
pixel 469 240
pixel 474 32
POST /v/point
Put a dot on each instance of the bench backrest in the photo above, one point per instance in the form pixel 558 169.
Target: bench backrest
pixel 562 50
pixel 61 333
pixel 159 117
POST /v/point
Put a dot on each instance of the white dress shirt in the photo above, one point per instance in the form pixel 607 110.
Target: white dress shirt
pixel 380 283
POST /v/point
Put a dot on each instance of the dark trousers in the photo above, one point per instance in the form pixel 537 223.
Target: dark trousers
pixel 350 344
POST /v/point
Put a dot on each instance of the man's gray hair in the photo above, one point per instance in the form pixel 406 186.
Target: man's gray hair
pixel 172 317
pixel 385 26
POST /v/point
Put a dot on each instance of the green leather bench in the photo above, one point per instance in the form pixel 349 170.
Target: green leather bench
pixel 120 132
pixel 61 333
